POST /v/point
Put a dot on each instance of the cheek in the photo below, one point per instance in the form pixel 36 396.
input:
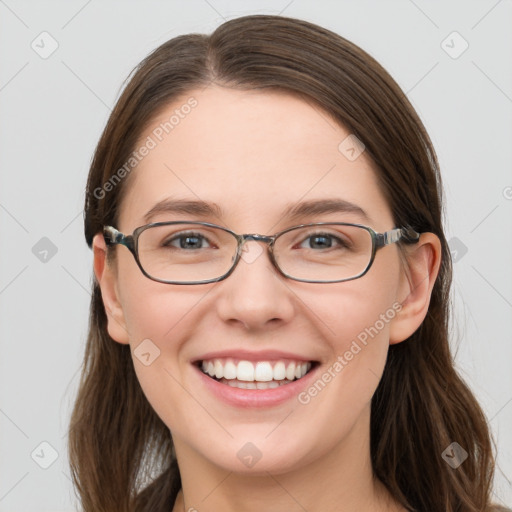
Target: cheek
pixel 159 322
pixel 354 310
pixel 160 318
pixel 355 317
pixel 155 310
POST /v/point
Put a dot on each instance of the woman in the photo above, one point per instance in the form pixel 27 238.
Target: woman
pixel 312 374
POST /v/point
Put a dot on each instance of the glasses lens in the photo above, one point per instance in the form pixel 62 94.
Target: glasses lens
pixel 329 252
pixel 186 252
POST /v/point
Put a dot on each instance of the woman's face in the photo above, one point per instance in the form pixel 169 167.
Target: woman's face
pixel 253 155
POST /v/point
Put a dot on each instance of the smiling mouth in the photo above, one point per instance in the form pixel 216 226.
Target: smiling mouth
pixel 245 374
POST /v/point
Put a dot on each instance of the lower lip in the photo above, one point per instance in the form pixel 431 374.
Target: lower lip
pixel 252 398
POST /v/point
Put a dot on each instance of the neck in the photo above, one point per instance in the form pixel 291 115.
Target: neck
pixel 340 480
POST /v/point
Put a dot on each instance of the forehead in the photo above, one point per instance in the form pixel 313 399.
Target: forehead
pixel 253 153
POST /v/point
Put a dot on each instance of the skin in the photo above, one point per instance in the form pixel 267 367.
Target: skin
pixel 253 153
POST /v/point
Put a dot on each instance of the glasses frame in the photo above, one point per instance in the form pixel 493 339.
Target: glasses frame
pixel 114 237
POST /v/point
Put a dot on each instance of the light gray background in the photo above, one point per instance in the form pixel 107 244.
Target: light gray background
pixel 53 111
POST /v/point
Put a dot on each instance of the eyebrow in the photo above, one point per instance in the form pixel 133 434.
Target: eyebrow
pixel 292 212
pixel 184 206
pixel 323 206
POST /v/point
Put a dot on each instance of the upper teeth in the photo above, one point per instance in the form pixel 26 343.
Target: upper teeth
pixel 261 371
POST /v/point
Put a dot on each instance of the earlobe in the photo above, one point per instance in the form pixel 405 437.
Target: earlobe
pixel 416 284
pixel 106 278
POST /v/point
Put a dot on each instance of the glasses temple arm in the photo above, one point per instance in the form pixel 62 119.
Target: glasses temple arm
pixel 405 234
pixel 112 237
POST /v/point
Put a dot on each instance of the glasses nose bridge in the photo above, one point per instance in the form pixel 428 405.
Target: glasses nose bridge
pixel 256 238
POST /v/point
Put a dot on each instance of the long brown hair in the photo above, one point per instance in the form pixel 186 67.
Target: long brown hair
pixel 121 453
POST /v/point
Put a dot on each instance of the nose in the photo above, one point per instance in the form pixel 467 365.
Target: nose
pixel 255 296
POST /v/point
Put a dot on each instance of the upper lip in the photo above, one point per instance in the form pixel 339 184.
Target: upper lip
pixel 248 355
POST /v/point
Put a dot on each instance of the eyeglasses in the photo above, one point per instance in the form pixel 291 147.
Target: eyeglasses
pixel 183 252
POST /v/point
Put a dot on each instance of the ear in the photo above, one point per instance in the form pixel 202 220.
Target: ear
pixel 105 273
pixel 415 288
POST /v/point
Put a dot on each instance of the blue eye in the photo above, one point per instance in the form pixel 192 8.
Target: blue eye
pixel 187 241
pixel 323 241
pixel 320 241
